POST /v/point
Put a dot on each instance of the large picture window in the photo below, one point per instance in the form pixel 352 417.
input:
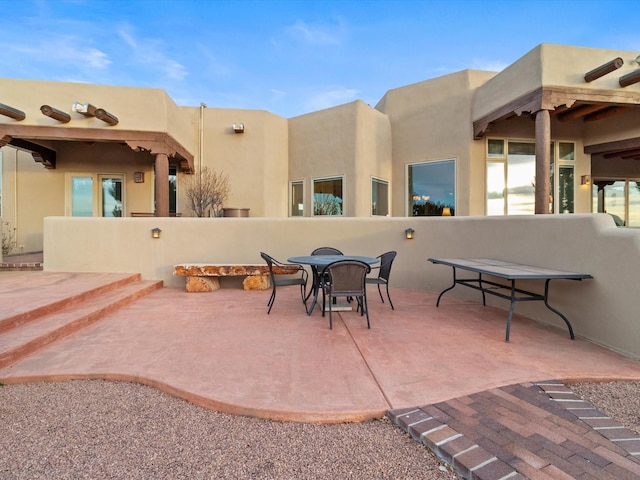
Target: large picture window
pixel 511 177
pixel 379 197
pixel 328 196
pixel 431 188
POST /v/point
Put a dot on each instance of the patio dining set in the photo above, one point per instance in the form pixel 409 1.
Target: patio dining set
pixel 333 275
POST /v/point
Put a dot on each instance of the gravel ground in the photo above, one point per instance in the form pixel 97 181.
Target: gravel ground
pixel 111 430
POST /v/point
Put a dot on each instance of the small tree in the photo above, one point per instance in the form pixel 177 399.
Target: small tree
pixel 8 237
pixel 207 191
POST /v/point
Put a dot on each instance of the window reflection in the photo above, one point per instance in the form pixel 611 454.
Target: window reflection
pixel 379 197
pixel 432 188
pixel 297 202
pixel 327 196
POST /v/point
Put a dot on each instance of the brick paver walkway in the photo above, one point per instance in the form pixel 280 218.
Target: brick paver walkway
pixel 536 431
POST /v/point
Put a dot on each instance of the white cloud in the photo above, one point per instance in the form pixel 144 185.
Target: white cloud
pixel 150 54
pixel 63 50
pixel 321 35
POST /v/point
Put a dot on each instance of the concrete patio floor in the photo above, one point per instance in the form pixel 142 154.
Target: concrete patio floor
pixel 222 351
pixel 492 410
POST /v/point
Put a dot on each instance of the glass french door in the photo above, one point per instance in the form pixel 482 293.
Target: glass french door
pixel 91 195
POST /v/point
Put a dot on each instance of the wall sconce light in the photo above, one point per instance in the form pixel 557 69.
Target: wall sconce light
pixel 56 114
pixel 408 233
pixel 155 233
pixel 585 179
pixel 85 109
pixel 11 112
pixel 446 211
pixel 238 127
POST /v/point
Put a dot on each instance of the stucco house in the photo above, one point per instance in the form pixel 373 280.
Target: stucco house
pixel 472 143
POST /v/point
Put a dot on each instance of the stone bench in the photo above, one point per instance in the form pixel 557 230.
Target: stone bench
pixel 205 277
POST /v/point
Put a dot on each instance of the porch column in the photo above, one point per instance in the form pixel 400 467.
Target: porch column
pixel 162 185
pixel 543 161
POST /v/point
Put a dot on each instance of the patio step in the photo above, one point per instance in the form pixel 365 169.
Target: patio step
pixel 29 331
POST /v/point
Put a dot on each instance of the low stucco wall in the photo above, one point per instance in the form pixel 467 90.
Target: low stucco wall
pixel 603 310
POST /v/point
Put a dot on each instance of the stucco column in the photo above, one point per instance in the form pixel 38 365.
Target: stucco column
pixel 543 161
pixel 162 185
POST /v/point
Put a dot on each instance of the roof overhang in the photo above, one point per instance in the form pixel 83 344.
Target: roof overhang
pixel 565 103
pixel 26 137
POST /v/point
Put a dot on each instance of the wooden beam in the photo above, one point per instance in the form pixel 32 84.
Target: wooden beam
pixel 630 78
pixel 102 114
pixel 579 111
pixel 40 154
pixel 604 113
pixel 602 70
pixel 65 133
pixel 628 144
pixel 11 112
pixel 56 114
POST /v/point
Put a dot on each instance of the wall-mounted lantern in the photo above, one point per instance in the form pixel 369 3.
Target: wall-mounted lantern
pixel 155 233
pixel 408 233
pixel 238 127
pixel 585 179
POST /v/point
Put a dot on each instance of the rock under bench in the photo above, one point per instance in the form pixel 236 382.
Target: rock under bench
pixel 205 277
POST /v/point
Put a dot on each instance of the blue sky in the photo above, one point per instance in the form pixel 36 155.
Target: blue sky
pixel 291 57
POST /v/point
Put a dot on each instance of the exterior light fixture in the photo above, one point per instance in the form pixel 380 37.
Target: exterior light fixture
pixel 585 179
pixel 155 233
pixel 238 127
pixel 11 112
pixel 408 233
pixel 56 114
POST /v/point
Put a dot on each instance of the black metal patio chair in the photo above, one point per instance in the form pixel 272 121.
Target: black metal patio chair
pixel 346 278
pixel 285 280
pixel 384 272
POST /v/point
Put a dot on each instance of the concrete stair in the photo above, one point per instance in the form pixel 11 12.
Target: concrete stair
pixel 29 330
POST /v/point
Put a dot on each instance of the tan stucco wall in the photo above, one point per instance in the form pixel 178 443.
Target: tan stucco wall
pixel 137 109
pixel 603 309
pixel 551 65
pixel 431 121
pixel 27 197
pixel 351 141
pixel 256 161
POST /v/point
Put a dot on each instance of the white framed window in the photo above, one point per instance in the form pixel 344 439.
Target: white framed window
pixel 431 188
pixel 328 196
pixel 296 198
pixel 620 198
pixel 511 177
pixel 92 195
pixel 379 197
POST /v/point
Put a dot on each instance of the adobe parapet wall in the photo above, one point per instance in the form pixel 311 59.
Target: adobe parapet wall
pixel 603 310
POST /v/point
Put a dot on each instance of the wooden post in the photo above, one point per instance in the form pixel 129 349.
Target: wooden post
pixel 162 185
pixel 543 161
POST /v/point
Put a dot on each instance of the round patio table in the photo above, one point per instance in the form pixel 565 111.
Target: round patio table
pixel 318 262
